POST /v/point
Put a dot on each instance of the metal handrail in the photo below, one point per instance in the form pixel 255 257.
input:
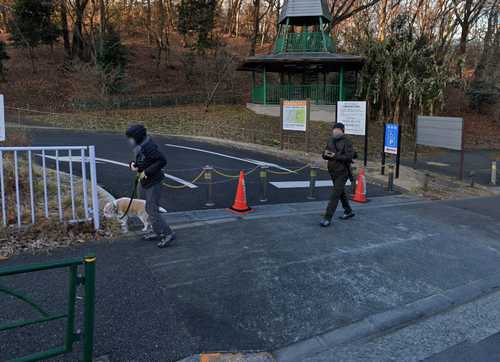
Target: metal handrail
pixel 87 281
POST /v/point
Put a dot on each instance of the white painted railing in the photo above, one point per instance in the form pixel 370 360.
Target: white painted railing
pixel 49 160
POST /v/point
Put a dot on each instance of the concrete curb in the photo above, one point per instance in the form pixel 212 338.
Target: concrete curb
pixel 187 219
pixel 389 320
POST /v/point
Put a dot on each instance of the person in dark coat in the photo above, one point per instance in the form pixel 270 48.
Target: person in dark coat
pixel 149 163
pixel 339 153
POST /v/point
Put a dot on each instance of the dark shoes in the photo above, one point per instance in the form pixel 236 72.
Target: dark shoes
pixel 325 223
pixel 347 215
pixel 166 240
pixel 151 237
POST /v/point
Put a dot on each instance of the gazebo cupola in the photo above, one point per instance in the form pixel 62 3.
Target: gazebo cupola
pixel 303 64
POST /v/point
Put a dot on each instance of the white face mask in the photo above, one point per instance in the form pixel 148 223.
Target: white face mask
pixel 337 133
pixel 131 141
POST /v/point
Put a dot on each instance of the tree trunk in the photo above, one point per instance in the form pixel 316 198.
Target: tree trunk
pixel 64 29
pixel 256 24
pixel 78 41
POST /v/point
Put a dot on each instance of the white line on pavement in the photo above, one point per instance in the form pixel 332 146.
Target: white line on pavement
pixel 248 160
pixel 303 184
pixel 105 160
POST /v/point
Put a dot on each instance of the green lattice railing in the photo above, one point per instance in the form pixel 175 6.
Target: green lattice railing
pixel 317 93
pixel 303 42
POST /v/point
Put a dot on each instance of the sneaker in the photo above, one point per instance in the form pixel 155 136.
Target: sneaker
pixel 166 240
pixel 347 215
pixel 151 237
pixel 325 223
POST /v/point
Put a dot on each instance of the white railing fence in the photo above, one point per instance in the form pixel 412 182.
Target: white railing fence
pixel 48 182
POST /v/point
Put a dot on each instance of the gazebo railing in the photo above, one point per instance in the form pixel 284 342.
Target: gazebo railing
pixel 303 42
pixel 317 93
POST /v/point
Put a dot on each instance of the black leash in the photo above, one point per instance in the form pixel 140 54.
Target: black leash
pixel 132 197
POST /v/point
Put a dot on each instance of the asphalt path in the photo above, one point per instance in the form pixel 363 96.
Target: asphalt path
pixel 186 158
pixel 264 283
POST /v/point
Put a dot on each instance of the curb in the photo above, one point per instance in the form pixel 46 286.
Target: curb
pixel 389 320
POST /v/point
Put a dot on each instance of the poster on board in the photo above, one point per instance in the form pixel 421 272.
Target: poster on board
pixel 2 119
pixel 353 115
pixel 294 116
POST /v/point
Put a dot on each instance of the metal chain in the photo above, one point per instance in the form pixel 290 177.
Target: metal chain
pixel 184 186
pixel 288 172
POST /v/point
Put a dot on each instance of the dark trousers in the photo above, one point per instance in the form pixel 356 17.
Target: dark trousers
pixel 339 180
pixel 152 196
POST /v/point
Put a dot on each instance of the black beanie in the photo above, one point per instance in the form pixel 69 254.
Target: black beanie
pixel 339 125
pixel 137 132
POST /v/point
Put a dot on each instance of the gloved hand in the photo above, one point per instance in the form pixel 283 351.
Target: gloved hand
pixel 132 166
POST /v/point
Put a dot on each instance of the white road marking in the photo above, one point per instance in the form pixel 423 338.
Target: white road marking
pixel 105 160
pixel 303 184
pixel 439 164
pixel 248 160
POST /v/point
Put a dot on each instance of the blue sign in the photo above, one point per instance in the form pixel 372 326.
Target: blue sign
pixel 391 138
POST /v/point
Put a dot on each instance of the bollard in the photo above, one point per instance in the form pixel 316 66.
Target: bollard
pixel 208 172
pixel 425 186
pixel 493 172
pixel 313 175
pixel 390 178
pixel 471 176
pixel 263 183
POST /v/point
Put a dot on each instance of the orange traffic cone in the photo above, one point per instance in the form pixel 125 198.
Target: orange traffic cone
pixel 240 201
pixel 360 194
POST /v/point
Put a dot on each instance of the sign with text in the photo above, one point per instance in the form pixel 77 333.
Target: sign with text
pixel 353 115
pixel 2 119
pixel 294 116
pixel 391 139
pixel 444 132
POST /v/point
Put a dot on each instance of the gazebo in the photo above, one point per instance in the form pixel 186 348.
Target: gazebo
pixel 303 64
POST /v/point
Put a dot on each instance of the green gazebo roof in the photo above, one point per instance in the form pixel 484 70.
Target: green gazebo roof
pixel 298 62
pixel 301 12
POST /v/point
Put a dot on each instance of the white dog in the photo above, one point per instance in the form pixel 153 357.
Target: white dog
pixel 117 208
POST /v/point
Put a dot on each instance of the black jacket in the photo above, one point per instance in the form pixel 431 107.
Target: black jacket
pixel 148 158
pixel 344 154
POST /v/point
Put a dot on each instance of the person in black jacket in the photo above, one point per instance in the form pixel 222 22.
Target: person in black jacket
pixel 339 153
pixel 149 163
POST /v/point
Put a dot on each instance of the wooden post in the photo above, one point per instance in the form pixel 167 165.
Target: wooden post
pixel 308 115
pixel 282 133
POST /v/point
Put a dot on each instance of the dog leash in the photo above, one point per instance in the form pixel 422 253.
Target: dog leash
pixel 132 197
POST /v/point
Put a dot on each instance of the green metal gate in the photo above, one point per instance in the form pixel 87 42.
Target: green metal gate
pixel 87 280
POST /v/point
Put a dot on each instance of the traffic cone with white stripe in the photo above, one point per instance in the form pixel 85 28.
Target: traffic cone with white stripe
pixel 360 194
pixel 240 204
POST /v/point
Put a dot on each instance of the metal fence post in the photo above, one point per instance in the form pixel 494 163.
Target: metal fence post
pixel 390 178
pixel 263 183
pixel 494 172
pixel 93 181
pixel 2 190
pixel 70 322
pixel 313 174
pixel 89 308
pixel 18 197
pixel 208 174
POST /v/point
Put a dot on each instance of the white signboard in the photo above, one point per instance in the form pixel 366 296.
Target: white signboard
pixel 2 120
pixel 295 115
pixel 353 115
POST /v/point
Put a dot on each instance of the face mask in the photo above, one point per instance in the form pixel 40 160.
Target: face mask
pixel 131 141
pixel 337 135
